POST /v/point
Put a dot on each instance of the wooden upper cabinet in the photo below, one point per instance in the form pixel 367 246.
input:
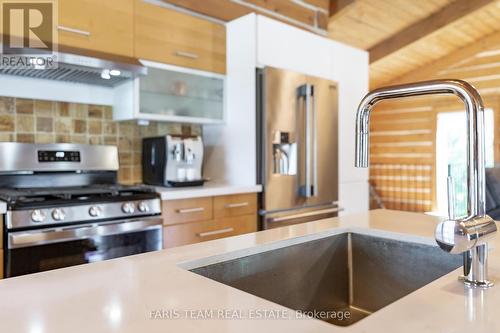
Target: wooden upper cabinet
pixel 97 25
pixel 167 36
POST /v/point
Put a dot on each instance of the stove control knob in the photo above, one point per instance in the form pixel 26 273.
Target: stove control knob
pixel 58 214
pixel 38 215
pixel 95 211
pixel 128 208
pixel 143 207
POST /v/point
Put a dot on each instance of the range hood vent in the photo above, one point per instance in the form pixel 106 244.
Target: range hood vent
pixel 68 74
pixel 89 69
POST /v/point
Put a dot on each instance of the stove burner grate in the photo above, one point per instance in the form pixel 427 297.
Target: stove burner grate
pixel 67 195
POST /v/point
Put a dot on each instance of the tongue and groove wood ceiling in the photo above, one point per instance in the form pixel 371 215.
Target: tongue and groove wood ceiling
pixel 416 40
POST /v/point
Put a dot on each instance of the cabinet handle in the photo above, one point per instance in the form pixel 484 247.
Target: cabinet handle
pixel 73 30
pixel 236 205
pixel 215 232
pixel 190 210
pixel 186 54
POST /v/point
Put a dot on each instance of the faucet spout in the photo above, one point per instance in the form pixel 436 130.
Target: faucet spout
pixel 471 233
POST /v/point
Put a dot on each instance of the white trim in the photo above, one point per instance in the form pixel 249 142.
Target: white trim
pixel 177 119
pixel 186 70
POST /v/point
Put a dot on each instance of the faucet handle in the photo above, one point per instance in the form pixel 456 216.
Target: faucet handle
pixel 462 235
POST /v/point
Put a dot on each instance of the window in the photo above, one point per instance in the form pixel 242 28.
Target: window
pixel 451 145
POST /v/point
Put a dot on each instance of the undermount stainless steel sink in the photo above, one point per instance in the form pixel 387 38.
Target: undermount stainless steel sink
pixel 348 273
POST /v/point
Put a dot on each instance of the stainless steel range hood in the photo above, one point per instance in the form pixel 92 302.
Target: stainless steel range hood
pixel 82 66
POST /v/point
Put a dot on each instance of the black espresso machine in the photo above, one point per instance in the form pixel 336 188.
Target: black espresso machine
pixel 172 160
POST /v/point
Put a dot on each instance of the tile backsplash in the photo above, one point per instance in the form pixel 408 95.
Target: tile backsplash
pixel 37 121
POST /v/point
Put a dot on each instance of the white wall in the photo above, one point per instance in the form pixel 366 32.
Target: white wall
pixel 257 41
pixel 283 46
pixel 350 69
pixel 231 154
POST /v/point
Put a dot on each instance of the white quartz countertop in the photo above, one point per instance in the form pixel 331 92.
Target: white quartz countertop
pixel 207 190
pixel 120 295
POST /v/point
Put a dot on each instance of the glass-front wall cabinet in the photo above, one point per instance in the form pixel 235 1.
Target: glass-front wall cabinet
pixel 168 93
pixel 171 93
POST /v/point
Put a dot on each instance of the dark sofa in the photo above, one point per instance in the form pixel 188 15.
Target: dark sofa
pixel 493 192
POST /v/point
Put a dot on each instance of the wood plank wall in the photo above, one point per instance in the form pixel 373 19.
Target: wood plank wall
pixel 403 146
pixel 309 14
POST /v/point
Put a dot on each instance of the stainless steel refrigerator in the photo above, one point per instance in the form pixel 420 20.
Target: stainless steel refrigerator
pixel 297 147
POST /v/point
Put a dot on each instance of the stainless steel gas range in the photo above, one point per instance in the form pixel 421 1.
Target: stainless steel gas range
pixel 65 207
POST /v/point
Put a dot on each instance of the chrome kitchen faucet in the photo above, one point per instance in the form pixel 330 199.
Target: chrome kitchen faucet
pixel 469 234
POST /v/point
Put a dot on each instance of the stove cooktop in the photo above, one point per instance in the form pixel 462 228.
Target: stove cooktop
pixel 64 196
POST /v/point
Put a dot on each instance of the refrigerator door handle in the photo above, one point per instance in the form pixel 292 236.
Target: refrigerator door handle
pixel 309 189
pixel 314 188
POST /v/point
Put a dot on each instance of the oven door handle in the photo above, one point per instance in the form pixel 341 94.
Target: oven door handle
pixel 58 235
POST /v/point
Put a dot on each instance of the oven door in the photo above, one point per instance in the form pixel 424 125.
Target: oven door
pixel 41 250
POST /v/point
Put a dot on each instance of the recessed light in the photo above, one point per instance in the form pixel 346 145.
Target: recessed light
pixel 115 72
pixel 105 74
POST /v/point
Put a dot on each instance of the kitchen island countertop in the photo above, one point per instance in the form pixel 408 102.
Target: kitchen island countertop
pixel 140 293
pixel 207 190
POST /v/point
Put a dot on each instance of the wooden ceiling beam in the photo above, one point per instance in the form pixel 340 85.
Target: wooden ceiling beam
pixel 337 6
pixel 430 71
pixel 422 28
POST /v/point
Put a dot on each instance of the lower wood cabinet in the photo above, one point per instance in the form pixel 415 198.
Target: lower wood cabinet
pixel 235 205
pixel 187 210
pixel 188 221
pixel 188 233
